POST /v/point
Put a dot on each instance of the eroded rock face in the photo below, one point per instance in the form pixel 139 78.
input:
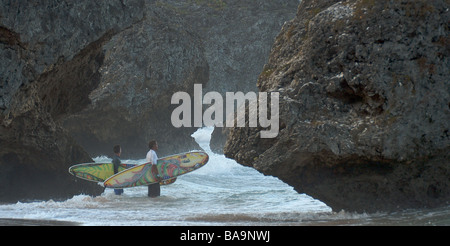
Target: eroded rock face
pixel 143 66
pixel 219 44
pixel 50 56
pixel 364 105
pixel 99 73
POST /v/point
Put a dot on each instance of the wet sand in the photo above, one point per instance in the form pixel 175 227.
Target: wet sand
pixel 30 222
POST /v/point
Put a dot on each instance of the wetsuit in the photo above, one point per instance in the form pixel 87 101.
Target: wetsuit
pixel 116 163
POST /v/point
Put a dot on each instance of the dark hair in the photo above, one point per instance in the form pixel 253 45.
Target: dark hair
pixel 116 149
pixel 151 144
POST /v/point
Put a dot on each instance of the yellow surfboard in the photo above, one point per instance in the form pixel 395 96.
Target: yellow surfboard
pixel 166 169
pixel 99 172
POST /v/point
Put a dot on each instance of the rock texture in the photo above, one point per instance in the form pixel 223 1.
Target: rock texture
pixel 50 55
pixel 77 78
pixel 364 105
pixel 236 34
pixel 177 44
pixel 143 66
pixel 220 44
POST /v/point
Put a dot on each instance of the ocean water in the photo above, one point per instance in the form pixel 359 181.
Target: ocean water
pixel 220 193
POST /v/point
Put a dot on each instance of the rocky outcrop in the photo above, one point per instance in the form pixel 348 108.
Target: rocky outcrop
pixel 219 44
pixel 77 78
pixel 143 66
pixel 364 105
pixel 236 34
pixel 50 56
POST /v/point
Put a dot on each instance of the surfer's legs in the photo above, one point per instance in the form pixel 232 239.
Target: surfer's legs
pixel 154 190
pixel 118 191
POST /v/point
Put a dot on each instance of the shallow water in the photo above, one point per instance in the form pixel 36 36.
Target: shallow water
pixel 220 193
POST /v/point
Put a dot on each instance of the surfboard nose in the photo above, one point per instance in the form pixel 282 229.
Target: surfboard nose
pixel 205 159
pixel 201 162
pixel 194 160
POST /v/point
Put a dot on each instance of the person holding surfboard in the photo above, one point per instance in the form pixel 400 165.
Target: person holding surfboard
pixel 154 190
pixel 116 163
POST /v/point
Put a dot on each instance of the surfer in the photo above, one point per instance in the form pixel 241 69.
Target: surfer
pixel 116 162
pixel 154 190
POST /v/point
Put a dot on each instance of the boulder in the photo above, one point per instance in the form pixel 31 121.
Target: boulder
pixel 364 105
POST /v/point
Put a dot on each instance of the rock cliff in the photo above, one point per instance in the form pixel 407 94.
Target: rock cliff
pixel 364 105
pixel 220 44
pixel 78 77
pixel 143 66
pixel 50 55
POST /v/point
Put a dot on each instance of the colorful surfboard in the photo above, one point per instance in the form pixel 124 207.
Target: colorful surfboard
pixel 99 172
pixel 167 168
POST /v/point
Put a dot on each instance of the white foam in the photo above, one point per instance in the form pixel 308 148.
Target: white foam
pixel 221 185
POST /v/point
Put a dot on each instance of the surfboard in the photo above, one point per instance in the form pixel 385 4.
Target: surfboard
pixel 96 172
pixel 99 172
pixel 166 168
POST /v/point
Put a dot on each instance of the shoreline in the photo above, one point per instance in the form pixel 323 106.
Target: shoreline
pixel 35 222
